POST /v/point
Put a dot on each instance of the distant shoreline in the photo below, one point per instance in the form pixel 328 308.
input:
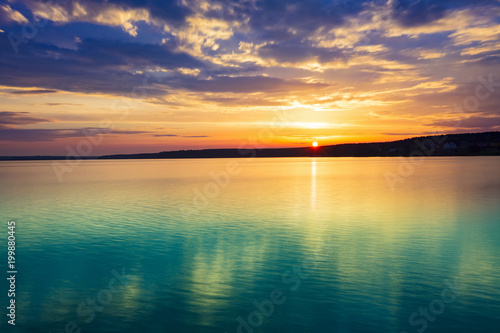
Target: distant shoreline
pixel 469 144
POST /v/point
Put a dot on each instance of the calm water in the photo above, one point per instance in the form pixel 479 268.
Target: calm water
pixel 327 240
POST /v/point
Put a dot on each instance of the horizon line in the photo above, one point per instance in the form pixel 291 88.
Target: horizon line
pixel 240 149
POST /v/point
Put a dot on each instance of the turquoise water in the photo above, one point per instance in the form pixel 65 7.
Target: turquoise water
pixel 271 245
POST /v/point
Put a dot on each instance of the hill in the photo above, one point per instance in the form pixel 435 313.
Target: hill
pixel 468 144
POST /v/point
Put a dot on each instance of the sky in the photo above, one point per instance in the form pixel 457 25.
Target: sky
pixel 130 76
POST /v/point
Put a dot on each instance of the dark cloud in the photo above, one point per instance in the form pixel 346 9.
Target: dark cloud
pixel 295 20
pixel 33 92
pixel 245 84
pixel 113 67
pixel 463 100
pixel 97 65
pixel 35 135
pixel 415 13
pixel 19 118
pixel 293 53
pixel 135 55
pixel 172 12
pixel 100 66
pixel 489 60
pixel 471 123
pixel 420 12
pixel 291 20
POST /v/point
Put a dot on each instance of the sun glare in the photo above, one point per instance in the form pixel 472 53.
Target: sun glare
pixel 315 144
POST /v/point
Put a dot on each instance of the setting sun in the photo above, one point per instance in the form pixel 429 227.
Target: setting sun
pixel 315 144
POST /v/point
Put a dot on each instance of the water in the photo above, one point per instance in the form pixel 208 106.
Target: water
pixel 328 240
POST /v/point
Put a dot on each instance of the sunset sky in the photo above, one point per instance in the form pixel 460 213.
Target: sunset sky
pixel 156 75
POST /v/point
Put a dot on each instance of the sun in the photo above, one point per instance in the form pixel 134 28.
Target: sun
pixel 315 144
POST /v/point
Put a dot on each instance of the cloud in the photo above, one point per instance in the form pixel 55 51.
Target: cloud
pixel 9 15
pixel 293 53
pixel 9 131
pixel 124 14
pixel 172 11
pixel 62 104
pixel 182 136
pixel 112 67
pixel 242 101
pixel 463 24
pixel 248 55
pixel 19 118
pixel 284 20
pixel 470 123
pixel 246 84
pixel 417 13
pixel 35 135
pixel 33 92
pixel 413 13
pixel 97 66
pixel 201 34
